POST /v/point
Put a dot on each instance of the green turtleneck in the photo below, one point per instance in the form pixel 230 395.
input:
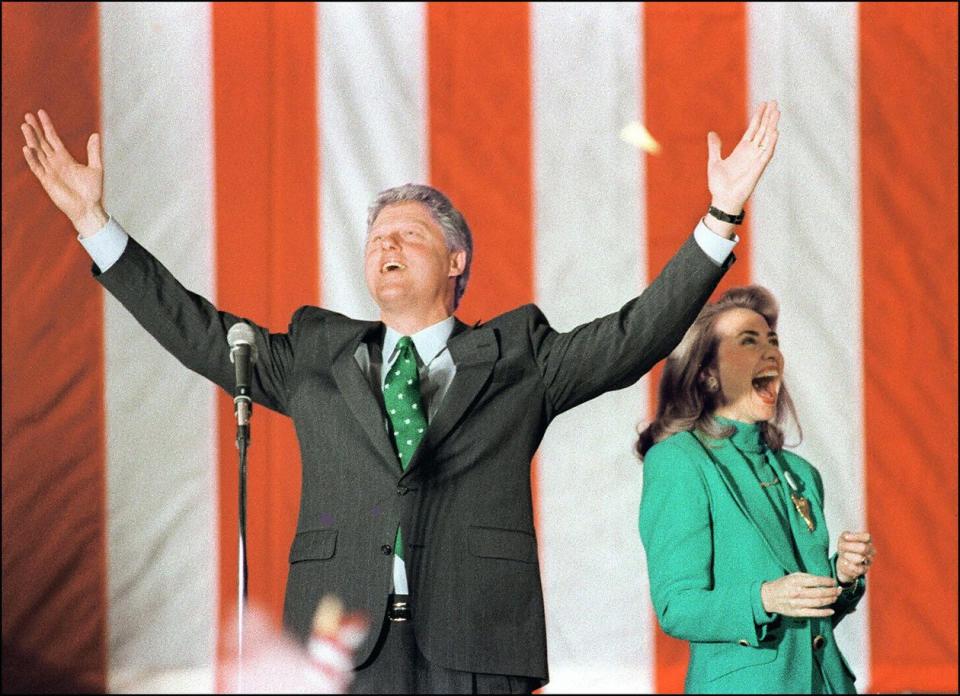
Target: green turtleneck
pixel 748 441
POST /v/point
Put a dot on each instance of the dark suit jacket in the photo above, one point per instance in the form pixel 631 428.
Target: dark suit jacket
pixel 464 503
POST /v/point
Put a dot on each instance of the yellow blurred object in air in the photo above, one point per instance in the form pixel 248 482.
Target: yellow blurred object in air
pixel 635 134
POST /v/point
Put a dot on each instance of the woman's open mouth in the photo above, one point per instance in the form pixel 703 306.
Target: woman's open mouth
pixel 767 386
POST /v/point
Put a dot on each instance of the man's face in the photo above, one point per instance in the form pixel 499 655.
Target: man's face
pixel 407 264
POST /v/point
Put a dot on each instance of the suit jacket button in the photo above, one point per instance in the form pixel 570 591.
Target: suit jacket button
pixel 386 549
pixel 818 642
pixel 743 642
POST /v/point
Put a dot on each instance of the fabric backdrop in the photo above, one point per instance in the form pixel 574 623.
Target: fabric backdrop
pixel 242 145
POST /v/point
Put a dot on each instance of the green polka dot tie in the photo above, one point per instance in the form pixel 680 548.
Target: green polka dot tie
pixel 401 396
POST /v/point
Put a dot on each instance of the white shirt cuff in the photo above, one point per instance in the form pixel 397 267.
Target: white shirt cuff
pixel 716 247
pixel 106 246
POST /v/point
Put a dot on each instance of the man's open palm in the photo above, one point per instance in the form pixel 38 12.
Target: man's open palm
pixel 74 188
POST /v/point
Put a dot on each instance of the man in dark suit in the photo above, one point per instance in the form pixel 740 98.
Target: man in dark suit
pixel 416 432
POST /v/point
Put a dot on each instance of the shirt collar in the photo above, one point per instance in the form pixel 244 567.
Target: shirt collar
pixel 748 436
pixel 429 342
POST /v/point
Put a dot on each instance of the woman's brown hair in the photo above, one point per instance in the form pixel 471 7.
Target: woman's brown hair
pixel 685 401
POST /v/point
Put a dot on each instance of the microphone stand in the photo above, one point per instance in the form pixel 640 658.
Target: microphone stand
pixel 243 407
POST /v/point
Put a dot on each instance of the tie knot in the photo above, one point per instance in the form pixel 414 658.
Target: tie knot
pixel 407 349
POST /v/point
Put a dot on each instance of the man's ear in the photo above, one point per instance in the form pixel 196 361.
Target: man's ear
pixel 458 262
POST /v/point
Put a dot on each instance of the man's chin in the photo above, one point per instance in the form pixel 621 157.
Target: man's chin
pixel 393 296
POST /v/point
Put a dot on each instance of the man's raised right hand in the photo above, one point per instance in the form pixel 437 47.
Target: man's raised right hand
pixel 76 189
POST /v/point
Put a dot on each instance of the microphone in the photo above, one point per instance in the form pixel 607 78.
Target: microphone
pixel 243 354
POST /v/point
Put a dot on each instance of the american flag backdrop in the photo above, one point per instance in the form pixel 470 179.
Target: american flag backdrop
pixel 242 143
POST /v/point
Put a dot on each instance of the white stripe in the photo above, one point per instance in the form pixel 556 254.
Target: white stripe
pixel 373 131
pixel 590 259
pixel 160 418
pixel 806 223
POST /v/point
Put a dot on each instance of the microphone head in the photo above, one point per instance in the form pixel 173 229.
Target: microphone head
pixel 241 334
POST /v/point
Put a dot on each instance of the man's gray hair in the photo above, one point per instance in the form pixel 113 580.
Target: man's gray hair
pixel 456 232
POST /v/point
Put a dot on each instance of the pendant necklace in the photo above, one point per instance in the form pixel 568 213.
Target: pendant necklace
pixel 799 502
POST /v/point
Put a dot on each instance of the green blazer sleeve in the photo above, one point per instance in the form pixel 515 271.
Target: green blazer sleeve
pixel 675 526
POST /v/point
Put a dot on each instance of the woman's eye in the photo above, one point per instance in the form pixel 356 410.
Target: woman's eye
pixel 748 341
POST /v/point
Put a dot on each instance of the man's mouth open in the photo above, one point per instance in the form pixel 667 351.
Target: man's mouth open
pixel 392 266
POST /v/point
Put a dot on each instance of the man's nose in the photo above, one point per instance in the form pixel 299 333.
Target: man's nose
pixel 390 241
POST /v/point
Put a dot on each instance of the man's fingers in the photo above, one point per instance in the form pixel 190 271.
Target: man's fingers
pixel 49 131
pixel 770 130
pixel 769 146
pixel 93 151
pixel 774 117
pixel 30 155
pixel 764 124
pixel 754 122
pixel 42 143
pixel 713 147
pixel 31 134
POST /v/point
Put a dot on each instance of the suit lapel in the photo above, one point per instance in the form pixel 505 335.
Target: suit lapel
pixel 349 355
pixel 474 352
pixel 753 502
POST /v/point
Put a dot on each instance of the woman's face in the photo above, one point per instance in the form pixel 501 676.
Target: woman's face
pixel 750 366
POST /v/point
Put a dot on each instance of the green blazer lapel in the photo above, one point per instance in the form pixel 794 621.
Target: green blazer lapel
pixel 346 343
pixel 810 545
pixel 474 352
pixel 753 502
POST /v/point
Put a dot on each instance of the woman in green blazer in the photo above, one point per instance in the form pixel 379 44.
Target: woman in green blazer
pixel 732 524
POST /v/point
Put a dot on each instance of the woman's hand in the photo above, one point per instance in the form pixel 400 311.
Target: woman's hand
pixel 800 594
pixel 76 189
pixel 855 553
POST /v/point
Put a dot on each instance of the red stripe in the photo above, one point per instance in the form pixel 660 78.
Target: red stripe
pixel 908 112
pixel 695 81
pixel 267 216
pixel 54 491
pixel 480 146
pixel 480 153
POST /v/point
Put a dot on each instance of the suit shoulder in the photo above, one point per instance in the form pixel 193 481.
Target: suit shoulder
pixel 313 313
pixel 680 450
pixel 525 315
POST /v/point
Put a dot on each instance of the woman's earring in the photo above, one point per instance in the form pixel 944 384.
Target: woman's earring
pixel 712 384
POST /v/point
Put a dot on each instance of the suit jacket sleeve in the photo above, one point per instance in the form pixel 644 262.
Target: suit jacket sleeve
pixel 614 351
pixel 193 330
pixel 676 529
